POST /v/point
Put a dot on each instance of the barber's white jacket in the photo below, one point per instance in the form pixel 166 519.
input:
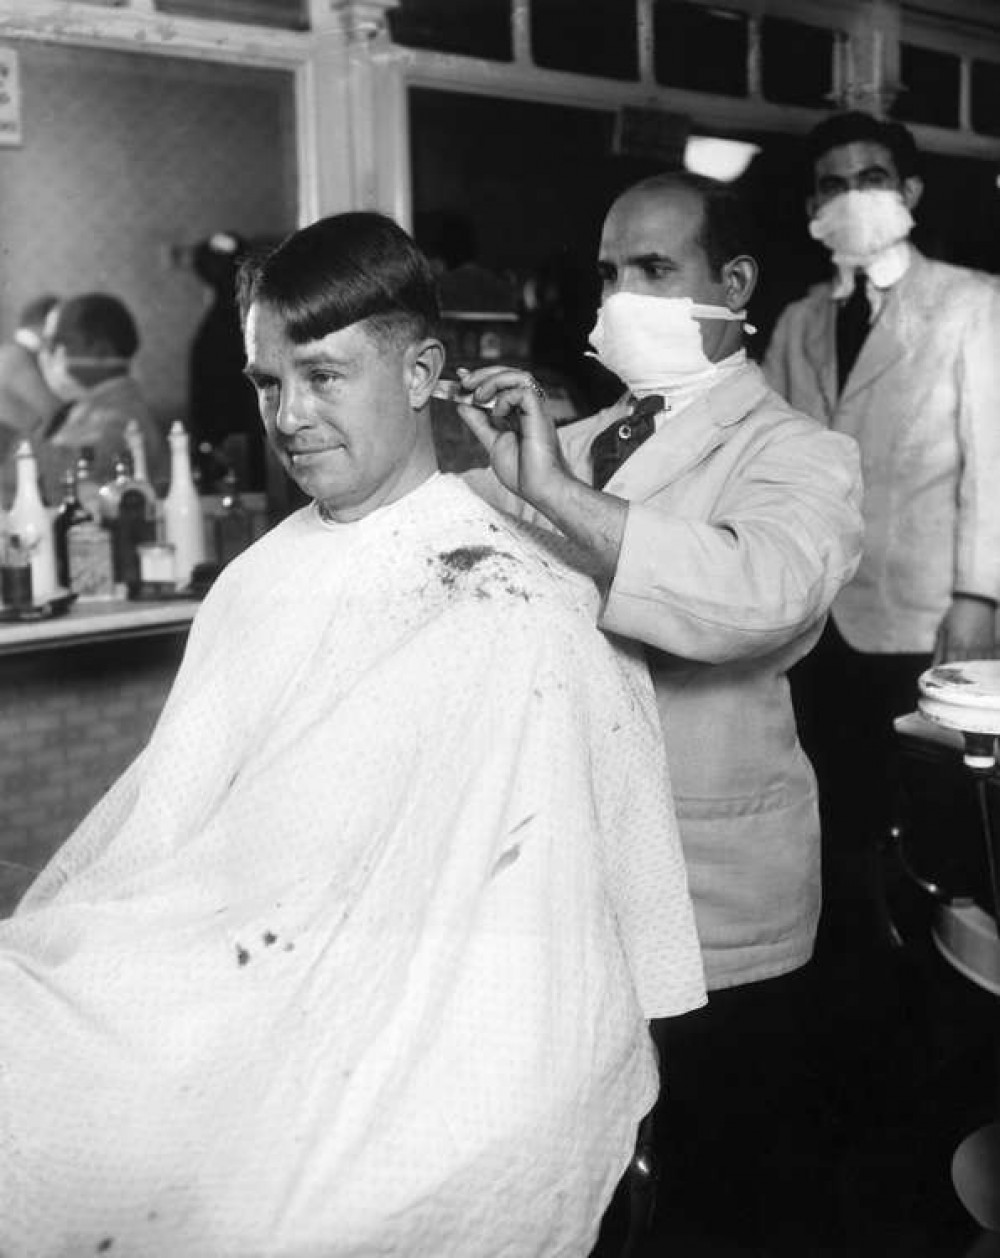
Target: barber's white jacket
pixel 743 525
pixel 923 402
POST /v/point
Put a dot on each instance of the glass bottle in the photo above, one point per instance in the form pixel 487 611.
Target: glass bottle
pixel 233 524
pixel 182 516
pixel 84 559
pixel 87 489
pixel 137 450
pixel 15 573
pixel 30 521
pixel 128 512
pixel 70 512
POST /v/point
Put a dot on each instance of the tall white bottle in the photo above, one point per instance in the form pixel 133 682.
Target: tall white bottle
pixel 30 520
pixel 137 450
pixel 182 517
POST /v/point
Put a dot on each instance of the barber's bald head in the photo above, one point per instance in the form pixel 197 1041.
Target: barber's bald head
pixel 728 226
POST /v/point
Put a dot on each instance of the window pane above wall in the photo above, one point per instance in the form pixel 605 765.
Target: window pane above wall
pixel 796 63
pixel 286 14
pixel 596 37
pixel 471 28
pixel 931 86
pixel 704 50
pixel 986 97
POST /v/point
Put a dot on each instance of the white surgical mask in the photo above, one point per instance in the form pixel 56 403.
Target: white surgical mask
pixel 653 344
pixel 54 365
pixel 857 226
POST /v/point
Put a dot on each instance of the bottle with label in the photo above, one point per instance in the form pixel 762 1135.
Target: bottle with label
pixel 30 522
pixel 182 516
pixel 128 512
pixel 84 561
pixel 233 524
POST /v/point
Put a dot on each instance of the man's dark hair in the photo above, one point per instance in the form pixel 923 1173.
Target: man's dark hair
pixel 856 127
pixel 95 326
pixel 339 271
pixel 729 226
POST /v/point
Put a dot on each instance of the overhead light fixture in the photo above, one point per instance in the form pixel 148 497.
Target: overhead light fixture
pixel 720 159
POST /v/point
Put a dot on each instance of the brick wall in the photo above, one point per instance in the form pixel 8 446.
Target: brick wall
pixel 70 721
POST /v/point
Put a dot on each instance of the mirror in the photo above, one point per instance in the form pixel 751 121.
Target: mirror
pixel 126 161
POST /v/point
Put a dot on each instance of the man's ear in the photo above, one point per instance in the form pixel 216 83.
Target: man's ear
pixel 911 190
pixel 424 364
pixel 739 279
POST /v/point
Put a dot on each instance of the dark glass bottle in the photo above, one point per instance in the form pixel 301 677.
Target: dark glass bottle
pixel 128 512
pixel 83 548
pixel 70 513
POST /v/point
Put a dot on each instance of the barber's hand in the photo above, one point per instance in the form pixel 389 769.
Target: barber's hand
pixel 967 632
pixel 517 434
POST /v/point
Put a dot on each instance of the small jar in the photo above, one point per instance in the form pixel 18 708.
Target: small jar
pixel 15 573
pixel 157 566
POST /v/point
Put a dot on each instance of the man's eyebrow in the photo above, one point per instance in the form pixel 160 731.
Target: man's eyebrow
pixel 637 259
pixel 649 259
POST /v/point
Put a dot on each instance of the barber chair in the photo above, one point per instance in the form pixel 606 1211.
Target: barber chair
pixel 629 1215
pixel 950 776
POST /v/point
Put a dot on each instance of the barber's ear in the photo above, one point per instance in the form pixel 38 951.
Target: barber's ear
pixel 739 279
pixel 424 364
pixel 911 190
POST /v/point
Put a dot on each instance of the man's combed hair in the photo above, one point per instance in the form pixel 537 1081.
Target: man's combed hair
pixel 855 127
pixel 95 325
pixel 729 226
pixel 341 270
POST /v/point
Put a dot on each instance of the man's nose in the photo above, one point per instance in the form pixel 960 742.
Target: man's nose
pixel 289 416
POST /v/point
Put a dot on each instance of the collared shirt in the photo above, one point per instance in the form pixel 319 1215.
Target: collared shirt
pixel 884 271
pixel 679 399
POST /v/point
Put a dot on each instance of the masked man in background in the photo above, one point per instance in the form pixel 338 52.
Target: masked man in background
pixel 88 346
pixel 903 354
pixel 721 524
pixel 357 957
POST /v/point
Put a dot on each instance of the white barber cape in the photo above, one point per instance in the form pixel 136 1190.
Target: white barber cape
pixel 342 964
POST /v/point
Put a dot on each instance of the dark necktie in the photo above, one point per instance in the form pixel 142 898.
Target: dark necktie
pixel 612 447
pixel 853 322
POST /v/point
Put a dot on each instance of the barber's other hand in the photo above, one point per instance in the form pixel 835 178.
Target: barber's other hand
pixel 517 434
pixel 967 632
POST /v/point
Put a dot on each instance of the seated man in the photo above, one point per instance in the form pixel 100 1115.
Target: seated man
pixel 89 344
pixel 357 956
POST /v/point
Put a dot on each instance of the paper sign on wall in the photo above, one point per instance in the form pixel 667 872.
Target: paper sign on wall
pixel 10 97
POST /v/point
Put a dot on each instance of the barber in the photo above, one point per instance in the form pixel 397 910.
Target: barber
pixel 720 524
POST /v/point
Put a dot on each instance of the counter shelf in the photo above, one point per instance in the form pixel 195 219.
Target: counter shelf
pixel 95 620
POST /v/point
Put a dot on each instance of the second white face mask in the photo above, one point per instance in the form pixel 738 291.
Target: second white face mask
pixel 653 344
pixel 857 225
